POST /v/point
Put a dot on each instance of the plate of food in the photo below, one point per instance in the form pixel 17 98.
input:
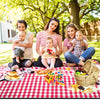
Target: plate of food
pixel 42 72
pixel 13 76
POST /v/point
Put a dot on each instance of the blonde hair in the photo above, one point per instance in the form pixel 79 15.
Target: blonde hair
pixel 79 32
pixel 49 38
pixel 21 32
pixel 70 25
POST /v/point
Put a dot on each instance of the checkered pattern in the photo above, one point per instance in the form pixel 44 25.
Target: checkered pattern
pixel 33 86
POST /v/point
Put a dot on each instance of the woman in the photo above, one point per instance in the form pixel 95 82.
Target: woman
pixel 51 30
pixel 28 54
pixel 71 59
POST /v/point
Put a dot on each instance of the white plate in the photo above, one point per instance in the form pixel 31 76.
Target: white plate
pixel 21 76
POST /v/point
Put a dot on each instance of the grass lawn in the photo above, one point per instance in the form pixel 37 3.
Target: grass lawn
pixel 6 52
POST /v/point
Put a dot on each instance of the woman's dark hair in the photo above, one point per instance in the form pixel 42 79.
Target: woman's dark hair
pixel 57 29
pixel 22 21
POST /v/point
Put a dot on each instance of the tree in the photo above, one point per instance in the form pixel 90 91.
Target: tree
pixel 38 12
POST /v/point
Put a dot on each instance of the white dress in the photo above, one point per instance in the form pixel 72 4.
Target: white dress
pixel 48 55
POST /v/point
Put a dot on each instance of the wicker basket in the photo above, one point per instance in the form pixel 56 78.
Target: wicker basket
pixel 91 78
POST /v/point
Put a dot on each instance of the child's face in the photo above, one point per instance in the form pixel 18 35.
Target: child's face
pixel 49 43
pixel 22 36
pixel 79 35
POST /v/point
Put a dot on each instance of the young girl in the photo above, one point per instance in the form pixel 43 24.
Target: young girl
pixel 19 51
pixel 48 53
pixel 79 44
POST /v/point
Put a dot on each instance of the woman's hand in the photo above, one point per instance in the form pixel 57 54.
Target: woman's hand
pixel 42 51
pixel 53 53
pixel 15 43
pixel 74 43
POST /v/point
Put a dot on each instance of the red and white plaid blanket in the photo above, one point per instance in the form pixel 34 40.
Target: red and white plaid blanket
pixel 34 86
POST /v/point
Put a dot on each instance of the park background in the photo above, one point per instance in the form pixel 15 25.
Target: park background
pixel 84 13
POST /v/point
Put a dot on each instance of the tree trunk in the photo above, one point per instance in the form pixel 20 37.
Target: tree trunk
pixel 74 10
pixel 63 33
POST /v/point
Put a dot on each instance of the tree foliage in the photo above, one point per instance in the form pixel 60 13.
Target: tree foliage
pixel 38 12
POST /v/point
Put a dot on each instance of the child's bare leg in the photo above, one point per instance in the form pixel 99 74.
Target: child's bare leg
pixel 44 62
pixel 17 59
pixel 52 62
pixel 15 67
pixel 28 63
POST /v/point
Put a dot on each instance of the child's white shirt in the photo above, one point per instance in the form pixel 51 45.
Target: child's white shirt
pixel 22 42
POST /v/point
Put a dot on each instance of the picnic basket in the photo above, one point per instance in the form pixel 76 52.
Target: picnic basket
pixel 92 74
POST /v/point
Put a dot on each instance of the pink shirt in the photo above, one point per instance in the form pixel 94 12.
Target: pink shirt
pixel 41 38
pixel 67 43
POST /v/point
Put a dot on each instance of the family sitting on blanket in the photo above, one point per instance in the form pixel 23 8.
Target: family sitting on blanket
pixel 52 30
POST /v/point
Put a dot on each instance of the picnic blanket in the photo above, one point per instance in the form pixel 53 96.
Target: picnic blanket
pixel 34 86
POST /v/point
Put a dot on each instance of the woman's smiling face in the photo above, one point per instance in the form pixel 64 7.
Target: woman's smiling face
pixel 53 25
pixel 21 27
pixel 71 32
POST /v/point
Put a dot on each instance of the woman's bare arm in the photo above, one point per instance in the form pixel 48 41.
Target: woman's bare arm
pixel 26 45
pixel 59 46
pixel 65 49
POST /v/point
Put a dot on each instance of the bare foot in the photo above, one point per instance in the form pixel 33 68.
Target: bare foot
pixel 81 63
pixel 15 67
pixel 71 64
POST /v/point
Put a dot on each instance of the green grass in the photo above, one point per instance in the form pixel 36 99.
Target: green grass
pixel 96 45
pixel 6 55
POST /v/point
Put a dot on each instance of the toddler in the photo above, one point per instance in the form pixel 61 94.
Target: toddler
pixel 48 53
pixel 79 44
pixel 19 51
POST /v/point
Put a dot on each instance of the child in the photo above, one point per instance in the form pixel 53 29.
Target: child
pixel 19 51
pixel 48 53
pixel 79 44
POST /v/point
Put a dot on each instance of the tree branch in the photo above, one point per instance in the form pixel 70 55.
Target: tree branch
pixel 31 8
pixel 83 13
pixel 64 5
pixel 42 13
pixel 55 9
pixel 60 13
pixel 89 11
pixel 66 9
